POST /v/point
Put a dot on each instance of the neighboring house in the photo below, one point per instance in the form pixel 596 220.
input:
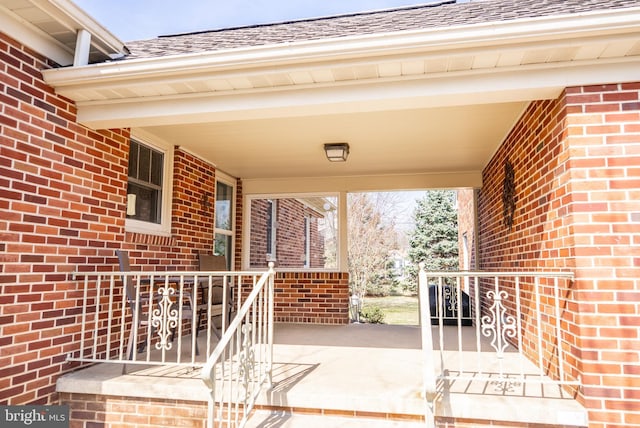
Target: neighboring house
pixel 159 146
pixel 289 232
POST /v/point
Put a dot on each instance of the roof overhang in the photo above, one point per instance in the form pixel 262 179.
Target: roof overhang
pixel 290 97
pixel 51 28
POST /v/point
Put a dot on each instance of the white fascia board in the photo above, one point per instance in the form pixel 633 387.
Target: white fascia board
pixel 36 39
pixel 478 36
pixel 447 89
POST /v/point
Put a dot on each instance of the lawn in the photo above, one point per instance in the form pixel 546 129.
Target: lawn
pixel 401 310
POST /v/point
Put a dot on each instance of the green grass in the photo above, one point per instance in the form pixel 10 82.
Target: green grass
pixel 399 310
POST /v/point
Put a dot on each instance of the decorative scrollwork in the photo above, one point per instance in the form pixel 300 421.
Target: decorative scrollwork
pixel 450 296
pixel 508 195
pixel 498 324
pixel 247 361
pixel 164 317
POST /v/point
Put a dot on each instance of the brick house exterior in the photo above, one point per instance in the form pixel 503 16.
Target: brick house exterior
pixel 576 186
pixel 576 208
pixel 290 240
pixel 63 191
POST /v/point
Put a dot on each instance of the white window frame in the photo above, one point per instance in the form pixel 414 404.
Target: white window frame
pixel 273 229
pixel 164 227
pixel 307 242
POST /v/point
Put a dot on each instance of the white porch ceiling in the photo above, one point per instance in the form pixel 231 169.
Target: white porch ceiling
pixel 413 141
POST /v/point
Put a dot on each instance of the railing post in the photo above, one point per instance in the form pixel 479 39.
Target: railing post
pixel 270 316
pixel 428 366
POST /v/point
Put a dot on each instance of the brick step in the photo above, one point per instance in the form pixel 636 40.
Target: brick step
pixel 304 419
pixel 288 419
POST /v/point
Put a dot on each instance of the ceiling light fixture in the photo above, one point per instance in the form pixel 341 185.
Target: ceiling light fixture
pixel 337 152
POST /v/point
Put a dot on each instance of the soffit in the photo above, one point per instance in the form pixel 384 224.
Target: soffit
pixel 61 20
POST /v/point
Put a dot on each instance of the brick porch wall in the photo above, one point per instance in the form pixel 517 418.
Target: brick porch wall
pixel 90 410
pixel 312 297
pixel 577 179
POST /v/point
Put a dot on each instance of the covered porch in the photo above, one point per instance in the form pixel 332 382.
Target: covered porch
pixel 340 375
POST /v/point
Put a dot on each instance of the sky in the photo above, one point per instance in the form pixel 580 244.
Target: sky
pixel 145 19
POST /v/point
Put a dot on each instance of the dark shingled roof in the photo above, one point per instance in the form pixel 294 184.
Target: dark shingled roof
pixel 428 15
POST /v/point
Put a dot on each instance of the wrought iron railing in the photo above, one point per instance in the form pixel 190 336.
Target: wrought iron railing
pixel 156 318
pixel 503 328
pixel 241 364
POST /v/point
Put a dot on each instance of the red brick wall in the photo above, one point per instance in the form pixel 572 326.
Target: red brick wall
pixel 62 204
pixel 603 136
pixel 89 410
pixel 312 297
pixel 62 198
pixel 577 176
pixel 290 234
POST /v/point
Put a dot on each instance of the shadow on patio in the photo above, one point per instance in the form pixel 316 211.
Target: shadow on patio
pixel 351 370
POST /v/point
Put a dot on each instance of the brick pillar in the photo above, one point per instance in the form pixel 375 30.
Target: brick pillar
pixel 576 164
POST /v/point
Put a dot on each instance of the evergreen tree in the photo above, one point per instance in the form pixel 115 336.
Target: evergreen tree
pixel 434 240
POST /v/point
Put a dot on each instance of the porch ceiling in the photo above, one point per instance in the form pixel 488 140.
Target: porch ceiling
pixel 434 102
pixel 412 141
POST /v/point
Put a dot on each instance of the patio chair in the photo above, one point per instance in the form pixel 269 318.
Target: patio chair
pixel 213 263
pixel 145 303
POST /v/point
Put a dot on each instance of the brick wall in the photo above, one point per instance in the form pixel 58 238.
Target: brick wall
pixel 62 204
pixel 89 410
pixel 603 136
pixel 312 297
pixel 62 195
pixel 577 186
pixel 290 236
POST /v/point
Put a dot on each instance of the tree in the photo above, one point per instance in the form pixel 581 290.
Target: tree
pixel 434 240
pixel 372 238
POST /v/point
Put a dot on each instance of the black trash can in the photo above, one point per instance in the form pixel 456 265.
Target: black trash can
pixel 448 306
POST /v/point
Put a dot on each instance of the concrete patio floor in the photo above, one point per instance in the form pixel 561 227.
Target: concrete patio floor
pixel 359 370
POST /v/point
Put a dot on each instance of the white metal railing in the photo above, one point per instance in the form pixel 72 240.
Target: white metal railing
pixel 241 364
pixel 156 318
pixel 505 328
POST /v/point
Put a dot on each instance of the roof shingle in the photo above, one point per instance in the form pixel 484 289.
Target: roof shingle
pixel 442 14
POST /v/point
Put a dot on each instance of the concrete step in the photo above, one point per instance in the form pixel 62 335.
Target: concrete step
pixel 284 419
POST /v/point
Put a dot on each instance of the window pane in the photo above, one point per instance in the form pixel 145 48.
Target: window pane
pixel 146 202
pixel 305 232
pixel 144 188
pixel 157 160
pixel 133 159
pixel 224 206
pixel 144 164
pixel 222 247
